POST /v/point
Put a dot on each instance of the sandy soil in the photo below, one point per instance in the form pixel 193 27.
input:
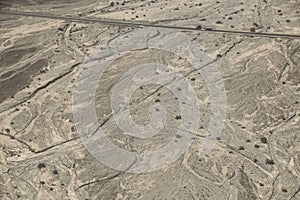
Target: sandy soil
pixel 257 154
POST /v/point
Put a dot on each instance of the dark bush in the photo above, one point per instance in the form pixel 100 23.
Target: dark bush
pixel 264 140
pixel 269 162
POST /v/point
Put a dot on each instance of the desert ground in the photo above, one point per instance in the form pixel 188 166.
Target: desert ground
pixel 47 63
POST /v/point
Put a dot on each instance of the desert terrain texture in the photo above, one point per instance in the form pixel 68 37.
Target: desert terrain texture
pixel 42 153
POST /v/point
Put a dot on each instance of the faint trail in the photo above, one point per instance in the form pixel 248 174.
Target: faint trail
pixel 130 23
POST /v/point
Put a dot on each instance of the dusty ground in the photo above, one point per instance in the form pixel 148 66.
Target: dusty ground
pixel 257 156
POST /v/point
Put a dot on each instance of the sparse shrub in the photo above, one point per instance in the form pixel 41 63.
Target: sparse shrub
pixel 255 24
pixel 178 117
pixel 284 190
pixel 263 140
pixel 41 165
pixel 269 162
pixel 261 184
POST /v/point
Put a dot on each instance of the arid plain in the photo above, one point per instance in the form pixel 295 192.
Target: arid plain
pixel 257 155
